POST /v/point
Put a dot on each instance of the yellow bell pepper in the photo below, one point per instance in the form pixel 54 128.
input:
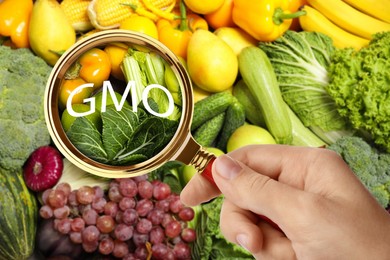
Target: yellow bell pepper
pixel 263 20
pixel 14 21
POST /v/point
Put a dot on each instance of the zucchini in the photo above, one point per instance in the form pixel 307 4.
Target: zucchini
pixel 206 134
pixel 209 107
pixel 259 75
pixel 18 217
pixel 235 117
pixel 245 97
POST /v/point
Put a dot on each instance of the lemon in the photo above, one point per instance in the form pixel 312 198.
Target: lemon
pixel 67 120
pixel 141 24
pixel 248 134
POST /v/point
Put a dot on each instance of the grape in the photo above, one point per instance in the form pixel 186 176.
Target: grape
pixel 143 207
pixel 130 217
pixel 46 212
pixel 145 189
pixel 114 194
pixel 159 251
pixel 45 196
pixel 120 249
pixel 90 247
pixel 157 235
pixel 90 234
pixel 123 232
pixel 98 204
pixel 82 208
pixel 85 195
pixel 111 208
pixel 182 251
pixel 144 226
pixel 99 192
pixel 175 205
pixel 72 198
pixel 65 187
pixel 127 203
pixel 63 226
pixel 113 183
pixel 156 216
pixel 161 191
pixel 140 239
pixel 163 205
pixel 90 216
pixel 141 252
pixel 166 220
pixel 186 214
pixel 173 229
pixel 105 224
pixel 62 212
pixel 119 217
pixel 140 178
pixel 75 237
pixel 130 256
pixel 188 235
pixel 56 199
pixel 128 188
pixel 106 246
pixel 77 224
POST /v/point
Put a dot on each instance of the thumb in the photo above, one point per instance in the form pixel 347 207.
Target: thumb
pixel 258 193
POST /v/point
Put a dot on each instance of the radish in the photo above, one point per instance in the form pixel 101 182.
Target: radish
pixel 43 168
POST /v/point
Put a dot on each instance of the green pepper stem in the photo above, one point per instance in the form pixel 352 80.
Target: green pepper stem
pixel 279 15
pixel 183 17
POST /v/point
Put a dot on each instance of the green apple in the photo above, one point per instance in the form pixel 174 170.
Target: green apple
pixel 215 151
pixel 67 120
pixel 248 134
pixel 186 173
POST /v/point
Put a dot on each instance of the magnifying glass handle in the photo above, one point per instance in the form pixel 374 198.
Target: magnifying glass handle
pixel 208 175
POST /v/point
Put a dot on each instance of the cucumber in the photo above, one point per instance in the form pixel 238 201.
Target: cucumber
pixel 235 117
pixel 208 132
pixel 259 75
pixel 209 107
pixel 245 97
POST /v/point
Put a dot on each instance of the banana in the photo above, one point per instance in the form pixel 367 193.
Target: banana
pixel 314 21
pixel 349 18
pixel 376 8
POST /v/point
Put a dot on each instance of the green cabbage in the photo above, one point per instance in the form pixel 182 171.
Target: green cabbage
pixel 360 85
pixel 301 61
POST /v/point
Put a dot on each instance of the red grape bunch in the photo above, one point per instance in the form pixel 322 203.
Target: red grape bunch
pixel 133 219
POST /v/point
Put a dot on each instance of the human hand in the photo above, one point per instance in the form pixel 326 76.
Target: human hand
pixel 322 209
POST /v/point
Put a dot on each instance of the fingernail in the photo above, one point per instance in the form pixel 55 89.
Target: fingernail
pixel 242 240
pixel 227 167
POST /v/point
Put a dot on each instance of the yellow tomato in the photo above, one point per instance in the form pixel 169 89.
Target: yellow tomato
pixel 140 24
pixel 95 67
pixel 222 17
pixel 203 7
pixel 116 53
pixel 68 86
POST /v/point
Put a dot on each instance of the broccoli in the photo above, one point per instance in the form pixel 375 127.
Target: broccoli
pixel 23 79
pixel 370 165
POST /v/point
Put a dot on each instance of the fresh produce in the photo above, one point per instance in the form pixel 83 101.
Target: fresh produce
pixel 259 75
pixel 18 216
pixel 314 21
pixel 134 218
pixel 15 20
pixel 116 54
pixel 235 117
pixel 235 37
pixel 77 14
pixel 371 166
pixel 294 6
pixel 23 78
pixel 300 61
pixel 209 107
pixel 264 21
pixel 67 119
pixel 67 87
pixel 207 133
pixel 140 24
pixel 43 168
pixel 204 7
pixel 377 8
pixel 350 19
pixel 222 17
pixel 50 31
pixel 248 134
pixel 359 84
pixel 209 57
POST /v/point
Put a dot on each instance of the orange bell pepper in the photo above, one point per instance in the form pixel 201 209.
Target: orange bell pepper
pixel 264 20
pixel 14 21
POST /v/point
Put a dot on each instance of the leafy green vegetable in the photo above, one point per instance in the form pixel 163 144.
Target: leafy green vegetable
pixel 301 61
pixel 360 85
pixel 23 78
pixel 370 166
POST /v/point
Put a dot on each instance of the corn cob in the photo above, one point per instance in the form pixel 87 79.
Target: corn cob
pixel 76 12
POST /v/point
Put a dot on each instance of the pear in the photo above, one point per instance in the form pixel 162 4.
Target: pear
pixel 50 32
pixel 212 64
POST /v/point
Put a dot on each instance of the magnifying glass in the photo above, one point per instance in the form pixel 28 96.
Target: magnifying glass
pixel 181 146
